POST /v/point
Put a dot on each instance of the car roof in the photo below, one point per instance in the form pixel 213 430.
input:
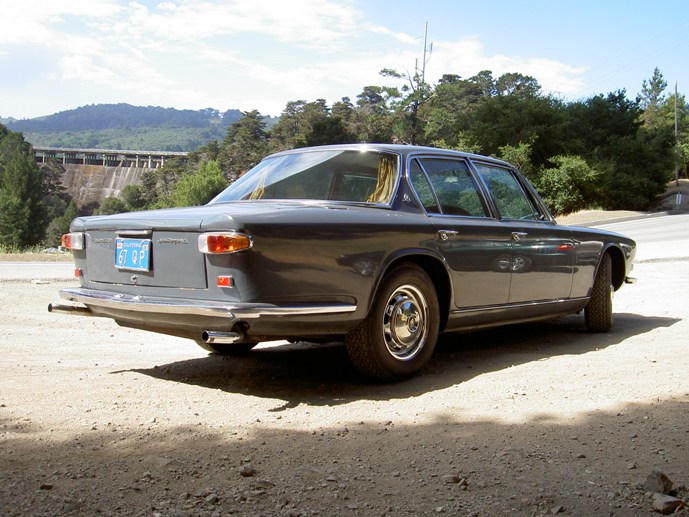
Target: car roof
pixel 401 149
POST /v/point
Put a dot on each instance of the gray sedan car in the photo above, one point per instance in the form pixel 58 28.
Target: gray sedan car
pixel 382 246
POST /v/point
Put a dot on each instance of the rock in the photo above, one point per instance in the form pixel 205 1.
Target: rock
pixel 247 470
pixel 658 482
pixel 557 509
pixel 264 485
pixel 212 498
pixel 667 504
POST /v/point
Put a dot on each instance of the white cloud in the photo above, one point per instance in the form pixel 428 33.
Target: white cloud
pixel 467 57
pixel 242 54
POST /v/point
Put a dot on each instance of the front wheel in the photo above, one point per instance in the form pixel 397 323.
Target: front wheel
pixel 398 336
pixel 598 312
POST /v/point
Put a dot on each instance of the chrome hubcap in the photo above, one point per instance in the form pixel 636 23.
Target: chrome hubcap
pixel 405 322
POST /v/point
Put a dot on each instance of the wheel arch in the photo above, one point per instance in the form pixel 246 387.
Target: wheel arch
pixel 619 266
pixel 436 270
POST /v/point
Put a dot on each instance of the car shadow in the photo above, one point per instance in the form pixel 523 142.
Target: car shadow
pixel 321 374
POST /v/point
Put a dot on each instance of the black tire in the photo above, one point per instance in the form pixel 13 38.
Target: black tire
pixel 398 336
pixel 226 348
pixel 598 312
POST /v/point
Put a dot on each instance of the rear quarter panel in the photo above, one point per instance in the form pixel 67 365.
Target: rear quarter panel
pixel 322 254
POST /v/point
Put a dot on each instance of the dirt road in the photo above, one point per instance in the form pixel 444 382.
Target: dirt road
pixel 528 420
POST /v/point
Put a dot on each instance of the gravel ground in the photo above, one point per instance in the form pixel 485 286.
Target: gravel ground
pixel 538 419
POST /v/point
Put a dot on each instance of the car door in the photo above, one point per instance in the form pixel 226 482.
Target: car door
pixel 476 247
pixel 542 259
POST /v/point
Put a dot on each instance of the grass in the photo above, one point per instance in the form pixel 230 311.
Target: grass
pixel 32 254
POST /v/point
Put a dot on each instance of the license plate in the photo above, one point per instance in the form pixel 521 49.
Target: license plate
pixel 134 254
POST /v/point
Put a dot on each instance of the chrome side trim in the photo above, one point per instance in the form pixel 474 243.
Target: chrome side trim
pixel 164 305
pixel 517 305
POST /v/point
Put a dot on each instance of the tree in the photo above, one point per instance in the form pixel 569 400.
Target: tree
pixel 60 225
pixel 635 160
pixel 509 120
pixel 199 188
pixel 134 197
pixel 520 156
pixel 372 120
pixel 328 131
pixel 517 84
pixel 22 211
pixel 407 127
pixel 295 123
pixel 485 83
pixel 569 186
pixel 112 205
pixel 245 144
pixel 652 97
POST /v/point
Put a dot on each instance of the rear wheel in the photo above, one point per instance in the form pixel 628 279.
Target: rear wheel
pixel 398 336
pixel 598 312
pixel 226 348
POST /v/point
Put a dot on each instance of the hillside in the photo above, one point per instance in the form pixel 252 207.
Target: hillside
pixel 140 138
pixel 124 116
pixel 123 126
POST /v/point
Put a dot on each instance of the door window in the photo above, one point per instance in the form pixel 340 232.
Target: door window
pixel 510 198
pixel 447 187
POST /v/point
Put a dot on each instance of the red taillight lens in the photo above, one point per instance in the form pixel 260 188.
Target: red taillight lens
pixel 72 241
pixel 224 242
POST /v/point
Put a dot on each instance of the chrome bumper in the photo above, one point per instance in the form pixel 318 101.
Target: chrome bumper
pixel 184 306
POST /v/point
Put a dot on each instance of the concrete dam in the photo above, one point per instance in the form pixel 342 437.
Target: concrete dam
pixel 91 175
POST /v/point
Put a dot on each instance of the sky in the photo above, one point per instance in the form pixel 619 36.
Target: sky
pixel 57 55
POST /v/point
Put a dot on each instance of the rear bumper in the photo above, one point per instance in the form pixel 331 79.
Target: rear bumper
pixel 192 315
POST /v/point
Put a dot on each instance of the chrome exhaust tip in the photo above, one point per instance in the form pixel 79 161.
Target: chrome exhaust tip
pixel 69 309
pixel 221 338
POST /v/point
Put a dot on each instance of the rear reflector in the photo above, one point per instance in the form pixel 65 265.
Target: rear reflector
pixel 228 242
pixel 224 281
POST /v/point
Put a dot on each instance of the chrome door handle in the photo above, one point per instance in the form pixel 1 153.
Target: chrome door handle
pixel 517 236
pixel 446 234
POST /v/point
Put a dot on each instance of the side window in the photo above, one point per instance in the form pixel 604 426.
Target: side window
pixel 509 196
pixel 455 188
pixel 423 188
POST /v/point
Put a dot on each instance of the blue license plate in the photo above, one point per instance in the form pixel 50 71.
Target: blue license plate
pixel 134 254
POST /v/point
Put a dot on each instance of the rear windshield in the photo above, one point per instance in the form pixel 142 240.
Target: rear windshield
pixel 351 175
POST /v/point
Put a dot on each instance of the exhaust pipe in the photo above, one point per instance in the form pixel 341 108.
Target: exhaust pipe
pixel 69 309
pixel 221 338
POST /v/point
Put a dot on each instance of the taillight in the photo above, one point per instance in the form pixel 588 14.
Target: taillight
pixel 226 242
pixel 73 241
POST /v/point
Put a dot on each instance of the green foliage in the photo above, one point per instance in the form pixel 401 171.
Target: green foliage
pixel 22 211
pixel 176 139
pixel 520 156
pixel 606 150
pixel 134 196
pixel 112 205
pixel 60 225
pixel 652 97
pixel 199 188
pixel 108 116
pixel 245 144
pixel 569 186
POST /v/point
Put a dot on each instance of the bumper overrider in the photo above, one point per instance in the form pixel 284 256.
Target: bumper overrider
pixel 200 319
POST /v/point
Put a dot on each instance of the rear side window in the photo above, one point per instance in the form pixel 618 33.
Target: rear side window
pixel 510 198
pixel 453 190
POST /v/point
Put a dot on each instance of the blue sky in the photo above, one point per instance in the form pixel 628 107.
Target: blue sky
pixel 192 54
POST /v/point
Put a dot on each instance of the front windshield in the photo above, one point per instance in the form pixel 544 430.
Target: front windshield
pixel 339 175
